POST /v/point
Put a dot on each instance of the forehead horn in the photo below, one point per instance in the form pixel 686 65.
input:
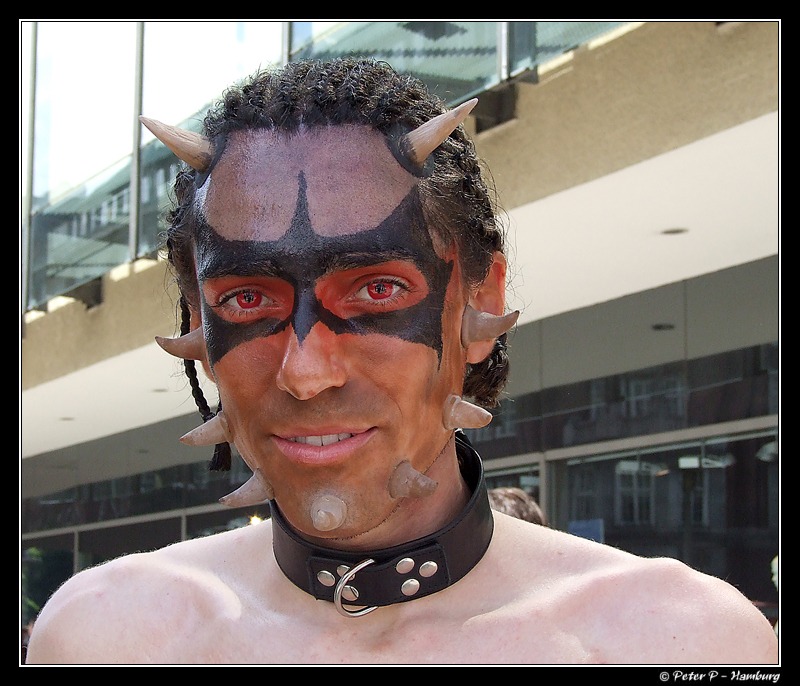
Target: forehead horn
pixel 194 149
pixel 418 144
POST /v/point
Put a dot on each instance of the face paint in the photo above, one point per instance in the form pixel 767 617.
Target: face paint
pixel 303 259
pixel 330 320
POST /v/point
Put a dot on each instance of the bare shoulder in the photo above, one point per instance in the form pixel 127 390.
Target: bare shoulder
pixel 153 599
pixel 678 615
pixel 624 609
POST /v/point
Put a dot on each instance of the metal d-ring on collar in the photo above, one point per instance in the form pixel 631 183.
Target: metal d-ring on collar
pixel 392 575
pixel 342 584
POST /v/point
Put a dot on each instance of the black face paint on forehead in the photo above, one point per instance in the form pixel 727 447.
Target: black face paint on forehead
pixel 300 257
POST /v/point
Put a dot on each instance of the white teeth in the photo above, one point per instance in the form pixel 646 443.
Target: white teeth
pixel 321 440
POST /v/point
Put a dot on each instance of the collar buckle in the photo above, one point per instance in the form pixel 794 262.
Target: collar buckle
pixel 343 587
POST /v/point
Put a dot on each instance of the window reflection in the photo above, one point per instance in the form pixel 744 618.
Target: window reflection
pixel 456 59
pixel 85 73
pixel 711 504
pixel 221 52
pixel 669 397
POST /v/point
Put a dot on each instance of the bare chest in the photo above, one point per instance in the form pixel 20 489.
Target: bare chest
pixel 441 638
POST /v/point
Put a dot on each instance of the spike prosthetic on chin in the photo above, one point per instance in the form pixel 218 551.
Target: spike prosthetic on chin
pixel 328 512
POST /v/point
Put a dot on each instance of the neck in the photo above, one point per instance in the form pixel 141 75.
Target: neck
pixel 420 565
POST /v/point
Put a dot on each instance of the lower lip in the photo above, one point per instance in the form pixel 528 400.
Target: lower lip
pixel 323 454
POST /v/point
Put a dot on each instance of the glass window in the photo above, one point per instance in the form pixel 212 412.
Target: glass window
pixel 209 523
pixel 456 59
pixel 712 504
pixel 534 42
pixel 187 65
pixel 46 563
pixel 633 491
pixel 729 386
pixel 83 132
pixel 85 74
pixel 527 478
pixel 25 46
pixel 98 545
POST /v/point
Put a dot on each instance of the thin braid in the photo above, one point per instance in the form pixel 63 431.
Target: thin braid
pixel 191 369
pixel 221 460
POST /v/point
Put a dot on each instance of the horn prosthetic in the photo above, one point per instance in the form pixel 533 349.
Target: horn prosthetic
pixel 422 141
pixel 194 149
pixel 459 414
pixel 254 491
pixel 484 326
pixel 190 346
pixel 407 481
pixel 214 431
pixel 197 151
pixel 328 512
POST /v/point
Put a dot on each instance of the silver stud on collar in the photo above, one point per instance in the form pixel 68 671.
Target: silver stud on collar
pixel 350 593
pixel 326 578
pixel 427 569
pixel 409 587
pixel 405 565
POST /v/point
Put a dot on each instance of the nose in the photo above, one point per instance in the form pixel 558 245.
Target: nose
pixel 310 367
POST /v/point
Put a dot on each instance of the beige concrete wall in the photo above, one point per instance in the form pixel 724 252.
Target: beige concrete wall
pixel 138 304
pixel 725 310
pixel 653 89
pixel 656 88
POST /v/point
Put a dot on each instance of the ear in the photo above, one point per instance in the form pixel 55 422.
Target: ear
pixel 489 297
pixel 195 321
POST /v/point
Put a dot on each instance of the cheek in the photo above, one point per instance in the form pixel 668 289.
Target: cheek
pixel 454 356
pixel 246 370
pixel 413 376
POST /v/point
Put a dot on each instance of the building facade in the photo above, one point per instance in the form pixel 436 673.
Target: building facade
pixel 637 165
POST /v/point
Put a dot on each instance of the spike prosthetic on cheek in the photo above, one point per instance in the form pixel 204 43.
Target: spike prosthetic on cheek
pixel 191 346
pixel 214 431
pixel 484 326
pixel 408 482
pixel 254 491
pixel 460 414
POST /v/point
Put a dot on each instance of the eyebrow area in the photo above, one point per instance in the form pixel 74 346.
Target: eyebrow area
pixel 302 254
pixel 265 259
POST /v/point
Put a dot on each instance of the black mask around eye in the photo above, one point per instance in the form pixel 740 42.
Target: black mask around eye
pixel 301 256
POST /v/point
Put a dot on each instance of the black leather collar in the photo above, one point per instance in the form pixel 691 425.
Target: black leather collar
pixel 372 579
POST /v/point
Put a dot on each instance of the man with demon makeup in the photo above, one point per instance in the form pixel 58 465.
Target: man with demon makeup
pixel 342 282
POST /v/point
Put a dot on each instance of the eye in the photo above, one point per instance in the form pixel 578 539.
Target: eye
pixel 382 290
pixel 248 300
pixel 244 302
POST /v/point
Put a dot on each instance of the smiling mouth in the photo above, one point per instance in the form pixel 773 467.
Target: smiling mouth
pixel 327 439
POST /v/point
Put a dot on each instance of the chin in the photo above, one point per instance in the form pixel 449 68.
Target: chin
pixel 333 515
